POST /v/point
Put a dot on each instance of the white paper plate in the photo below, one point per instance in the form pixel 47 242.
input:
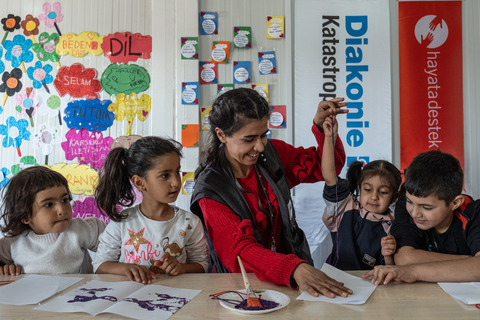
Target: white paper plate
pixel 271 295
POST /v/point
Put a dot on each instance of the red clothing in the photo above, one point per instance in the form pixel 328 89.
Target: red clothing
pixel 232 237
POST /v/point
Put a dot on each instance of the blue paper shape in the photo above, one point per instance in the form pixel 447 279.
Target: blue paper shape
pixel 208 22
pixel 267 62
pixel 23 133
pixel 90 114
pixel 241 72
pixel 190 93
pixel 22 50
pixel 5 172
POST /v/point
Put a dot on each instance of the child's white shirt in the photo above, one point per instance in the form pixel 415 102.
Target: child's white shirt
pixel 140 240
pixel 65 252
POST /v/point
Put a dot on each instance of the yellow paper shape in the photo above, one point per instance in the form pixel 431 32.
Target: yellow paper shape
pixel 82 179
pixel 262 89
pixel 204 112
pixel 275 27
pixel 87 42
pixel 124 107
pixel 190 135
pixel 188 182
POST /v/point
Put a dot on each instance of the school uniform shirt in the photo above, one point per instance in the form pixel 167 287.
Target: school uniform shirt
pixel 230 235
pixel 140 240
pixel 65 252
pixel 356 233
pixel 457 239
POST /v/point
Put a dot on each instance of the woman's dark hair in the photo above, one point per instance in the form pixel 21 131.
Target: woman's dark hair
pixel 114 186
pixel 434 173
pixel 230 112
pixel 359 171
pixel 19 195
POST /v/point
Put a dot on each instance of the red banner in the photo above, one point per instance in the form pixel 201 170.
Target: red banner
pixel 431 89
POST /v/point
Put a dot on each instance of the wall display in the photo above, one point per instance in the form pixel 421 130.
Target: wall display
pixel 278 117
pixel 190 135
pixel 190 92
pixel 242 37
pixel 262 89
pixel 275 27
pixel 125 78
pixel 204 114
pixel 189 48
pixel 87 42
pixel 267 62
pixel 130 107
pixel 77 81
pixel 123 47
pixel 220 51
pixel 208 22
pixel 224 87
pixel 188 182
pixel 208 72
pixel 431 78
pixel 241 72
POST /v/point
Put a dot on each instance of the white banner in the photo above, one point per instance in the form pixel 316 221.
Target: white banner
pixel 342 49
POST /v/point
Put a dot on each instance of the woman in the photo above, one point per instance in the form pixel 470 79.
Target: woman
pixel 242 193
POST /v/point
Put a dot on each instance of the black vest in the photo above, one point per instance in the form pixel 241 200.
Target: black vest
pixel 218 183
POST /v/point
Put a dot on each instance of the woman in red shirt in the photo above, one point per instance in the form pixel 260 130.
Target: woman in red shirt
pixel 242 192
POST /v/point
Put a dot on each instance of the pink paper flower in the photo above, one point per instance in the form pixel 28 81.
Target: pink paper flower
pixel 51 14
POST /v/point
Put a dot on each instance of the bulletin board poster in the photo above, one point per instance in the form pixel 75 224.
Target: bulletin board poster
pixel 431 87
pixel 348 56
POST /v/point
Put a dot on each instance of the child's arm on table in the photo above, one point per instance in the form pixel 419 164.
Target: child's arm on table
pixel 459 270
pixel 10 270
pixel 132 271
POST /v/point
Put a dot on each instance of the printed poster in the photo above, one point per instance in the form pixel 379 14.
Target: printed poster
pixel 431 88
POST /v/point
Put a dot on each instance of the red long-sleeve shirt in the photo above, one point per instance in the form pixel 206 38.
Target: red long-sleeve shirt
pixel 232 236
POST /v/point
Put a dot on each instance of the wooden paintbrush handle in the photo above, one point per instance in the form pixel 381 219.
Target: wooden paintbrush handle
pixel 244 274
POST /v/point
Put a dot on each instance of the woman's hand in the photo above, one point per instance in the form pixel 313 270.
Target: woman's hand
pixel 328 108
pixel 315 282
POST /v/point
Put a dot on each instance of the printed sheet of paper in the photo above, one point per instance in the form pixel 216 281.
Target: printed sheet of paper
pixel 33 288
pixel 362 289
pixel 466 292
pixel 125 298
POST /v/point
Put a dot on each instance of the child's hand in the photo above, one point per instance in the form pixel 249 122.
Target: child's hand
pixel 10 270
pixel 138 273
pixel 389 245
pixel 330 127
pixel 169 264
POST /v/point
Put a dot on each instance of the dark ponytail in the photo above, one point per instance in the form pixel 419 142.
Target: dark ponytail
pixel 115 187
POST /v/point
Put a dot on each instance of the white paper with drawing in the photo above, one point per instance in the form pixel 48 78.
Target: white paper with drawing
pixel 362 288
pixel 125 298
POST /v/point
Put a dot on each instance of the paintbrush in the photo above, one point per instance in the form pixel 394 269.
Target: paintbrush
pixel 252 299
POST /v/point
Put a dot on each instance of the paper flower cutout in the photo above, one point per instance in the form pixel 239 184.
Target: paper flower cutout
pixel 46 138
pixel 30 25
pixel 10 23
pixel 130 107
pixel 40 74
pixel 26 104
pixel 2 65
pixel 51 15
pixel 14 137
pixel 25 162
pixel 18 50
pixel 11 83
pixel 52 104
pixel 5 172
pixel 45 47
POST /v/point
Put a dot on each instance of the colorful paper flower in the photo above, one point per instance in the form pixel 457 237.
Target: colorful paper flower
pixel 26 104
pixel 5 172
pixel 51 15
pixel 40 74
pixel 11 22
pixel 2 65
pixel 30 25
pixel 45 47
pixel 11 83
pixel 18 50
pixel 52 104
pixel 14 137
pixel 46 138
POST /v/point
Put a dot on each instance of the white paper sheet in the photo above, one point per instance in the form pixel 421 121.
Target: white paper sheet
pixel 466 292
pixel 362 288
pixel 125 298
pixel 33 288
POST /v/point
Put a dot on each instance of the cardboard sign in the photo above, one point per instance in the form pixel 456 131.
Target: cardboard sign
pixel 88 148
pixel 125 78
pixel 90 114
pixel 77 81
pixel 125 46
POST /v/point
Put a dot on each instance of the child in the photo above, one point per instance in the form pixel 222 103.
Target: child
pixel 357 213
pixel 41 236
pixel 436 227
pixel 153 236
